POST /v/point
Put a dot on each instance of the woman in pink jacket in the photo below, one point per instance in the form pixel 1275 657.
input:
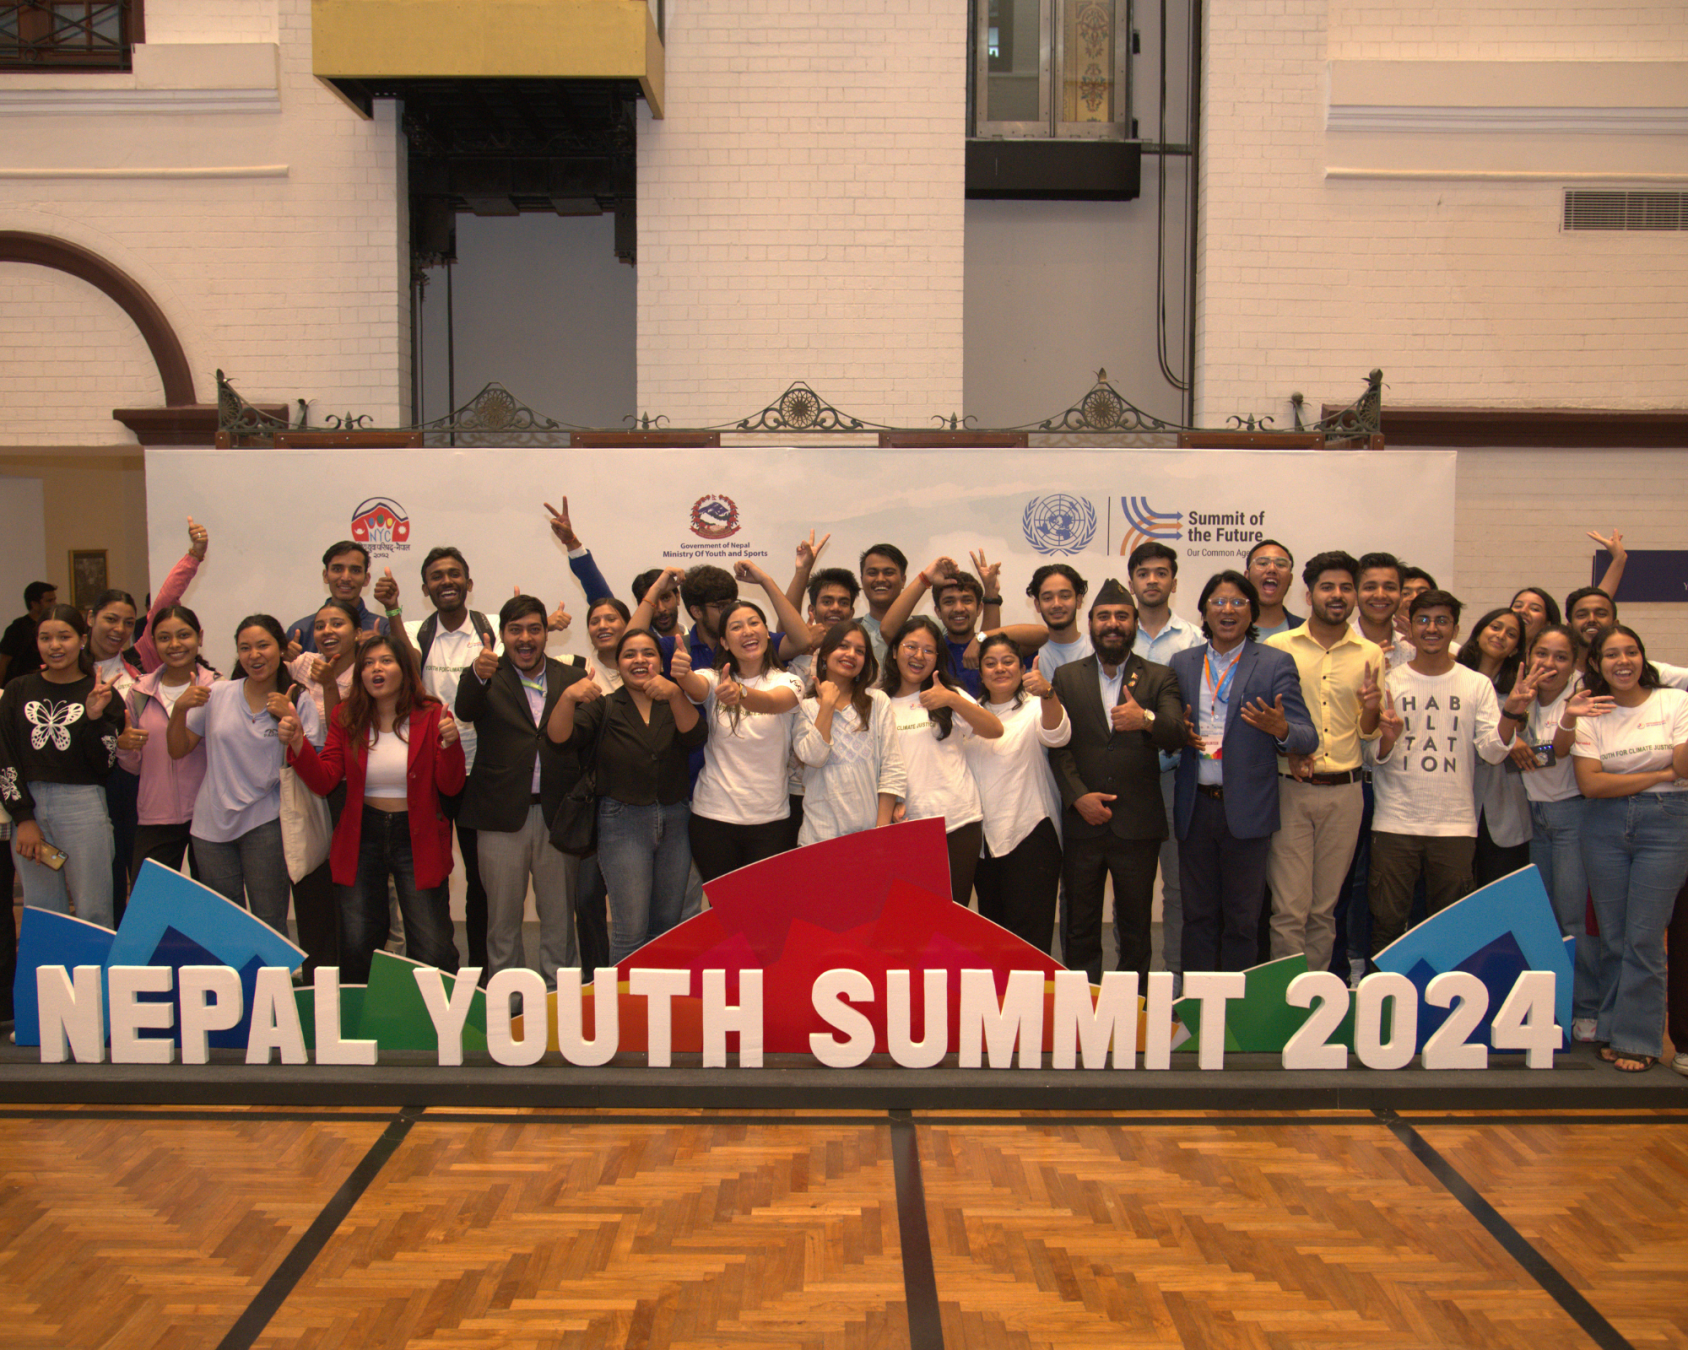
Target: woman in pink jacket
pixel 168 786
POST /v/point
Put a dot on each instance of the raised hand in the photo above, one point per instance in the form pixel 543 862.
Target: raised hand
pixel 290 731
pixel 808 551
pixel 321 671
pixel 1584 704
pixel 99 697
pixel 938 696
pixel 133 738
pixel 668 581
pixel 295 646
pixel 728 691
pixel 1035 684
pixel 1371 693
pixel 198 540
pixel 681 664
pixel 1267 717
pixel 449 731
pixel 561 526
pixel 990 574
pixel 831 694
pixel 1093 806
pixel 1127 714
pixel 278 705
pixel 1389 721
pixel 941 567
pixel 745 570
pixel 1613 543
pixel 387 589
pixel 584 691
pixel 660 690
pixel 559 620
pixel 486 660
pixel 194 696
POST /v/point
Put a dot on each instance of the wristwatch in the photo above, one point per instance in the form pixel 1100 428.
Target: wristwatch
pixel 1148 719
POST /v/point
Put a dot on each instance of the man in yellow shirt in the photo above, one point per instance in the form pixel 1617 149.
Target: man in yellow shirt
pixel 1320 797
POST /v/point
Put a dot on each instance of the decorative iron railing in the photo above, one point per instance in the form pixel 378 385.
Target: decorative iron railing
pixel 495 416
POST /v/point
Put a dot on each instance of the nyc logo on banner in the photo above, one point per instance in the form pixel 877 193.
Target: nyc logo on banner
pixel 381 526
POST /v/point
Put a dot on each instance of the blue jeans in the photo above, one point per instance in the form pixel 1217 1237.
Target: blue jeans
pixel 384 850
pixel 72 817
pixel 1556 851
pixel 250 870
pixel 645 854
pixel 1636 852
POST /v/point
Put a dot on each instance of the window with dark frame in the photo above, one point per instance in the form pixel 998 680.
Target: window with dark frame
pixel 69 34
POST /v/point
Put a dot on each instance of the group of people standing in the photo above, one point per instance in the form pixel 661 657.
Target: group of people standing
pixel 1303 785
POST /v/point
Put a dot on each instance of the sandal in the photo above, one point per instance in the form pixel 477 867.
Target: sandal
pixel 1625 1062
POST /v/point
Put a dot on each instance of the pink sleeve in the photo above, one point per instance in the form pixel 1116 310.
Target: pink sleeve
pixel 170 593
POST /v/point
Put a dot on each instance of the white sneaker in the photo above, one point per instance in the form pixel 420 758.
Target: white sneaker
pixel 1582 1029
pixel 1680 1063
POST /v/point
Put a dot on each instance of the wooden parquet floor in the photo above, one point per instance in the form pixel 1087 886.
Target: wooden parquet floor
pixel 300 1228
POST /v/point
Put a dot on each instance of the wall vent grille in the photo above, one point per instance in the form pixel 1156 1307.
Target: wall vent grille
pixel 1587 209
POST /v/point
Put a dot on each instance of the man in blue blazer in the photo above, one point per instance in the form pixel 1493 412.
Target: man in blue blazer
pixel 1243 708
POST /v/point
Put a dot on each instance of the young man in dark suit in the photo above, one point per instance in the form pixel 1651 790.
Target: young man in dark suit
pixel 1243 707
pixel 518 782
pixel 1124 712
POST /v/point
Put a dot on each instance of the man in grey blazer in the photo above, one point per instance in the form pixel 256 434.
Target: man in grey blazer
pixel 1124 712
pixel 1243 708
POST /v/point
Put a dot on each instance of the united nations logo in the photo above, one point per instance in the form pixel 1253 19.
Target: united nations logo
pixel 1059 524
pixel 714 517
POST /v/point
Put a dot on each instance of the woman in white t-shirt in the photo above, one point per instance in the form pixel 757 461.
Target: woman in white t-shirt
pixel 1557 809
pixel 740 803
pixel 934 720
pixel 1019 875
pixel 853 771
pixel 1632 765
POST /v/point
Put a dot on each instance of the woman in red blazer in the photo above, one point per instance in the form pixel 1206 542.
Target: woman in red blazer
pixel 396 747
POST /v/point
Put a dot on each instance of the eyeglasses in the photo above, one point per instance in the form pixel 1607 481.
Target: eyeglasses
pixel 1433 620
pixel 918 649
pixel 1228 601
pixel 1271 562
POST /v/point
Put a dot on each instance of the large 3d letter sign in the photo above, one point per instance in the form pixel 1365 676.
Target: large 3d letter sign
pixel 893 968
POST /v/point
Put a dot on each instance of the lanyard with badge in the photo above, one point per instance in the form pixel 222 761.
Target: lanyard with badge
pixel 1212 747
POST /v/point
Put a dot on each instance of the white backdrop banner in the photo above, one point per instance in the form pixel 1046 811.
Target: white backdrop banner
pixel 272 512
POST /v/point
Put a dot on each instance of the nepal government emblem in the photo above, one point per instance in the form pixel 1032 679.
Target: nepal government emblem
pixel 714 517
pixel 1059 524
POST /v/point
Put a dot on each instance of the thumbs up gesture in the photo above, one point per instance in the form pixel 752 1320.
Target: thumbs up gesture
pixel 387 590
pixel 448 731
pixel 486 662
pixel 198 540
pixel 728 691
pixel 1127 714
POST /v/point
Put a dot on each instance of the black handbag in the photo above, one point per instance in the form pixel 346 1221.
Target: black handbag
pixel 574 829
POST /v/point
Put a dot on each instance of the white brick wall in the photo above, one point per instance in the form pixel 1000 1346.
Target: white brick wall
pixel 296 285
pixel 801 209
pixel 1463 292
pixel 1521 517
pixel 68 356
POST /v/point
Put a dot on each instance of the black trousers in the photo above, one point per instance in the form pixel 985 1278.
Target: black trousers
pixel 591 917
pixel 8 930
pixel 122 793
pixel 1086 865
pixel 1018 889
pixel 474 893
pixel 963 842
pixel 166 844
pixel 1224 883
pixel 719 848
pixel 316 909
pixel 1491 861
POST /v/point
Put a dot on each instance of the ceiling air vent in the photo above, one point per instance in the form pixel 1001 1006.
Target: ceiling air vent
pixel 1618 210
